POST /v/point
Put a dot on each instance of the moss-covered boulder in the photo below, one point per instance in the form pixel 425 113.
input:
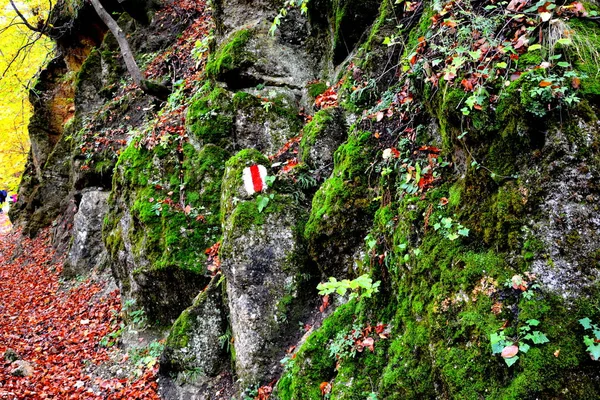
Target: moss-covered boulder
pixel 194 342
pixel 251 56
pixel 265 123
pixel 342 207
pixel 210 116
pixel 262 259
pixel 164 214
pixel 321 138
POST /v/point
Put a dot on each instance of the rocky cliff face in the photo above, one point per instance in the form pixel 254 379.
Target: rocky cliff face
pixel 450 151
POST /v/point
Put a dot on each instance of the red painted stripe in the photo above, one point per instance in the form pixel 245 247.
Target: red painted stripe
pixel 256 181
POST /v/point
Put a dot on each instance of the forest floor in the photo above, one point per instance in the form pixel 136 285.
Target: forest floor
pixel 51 330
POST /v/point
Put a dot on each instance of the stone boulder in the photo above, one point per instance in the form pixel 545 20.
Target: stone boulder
pixel 195 340
pixel 87 250
pixel 262 259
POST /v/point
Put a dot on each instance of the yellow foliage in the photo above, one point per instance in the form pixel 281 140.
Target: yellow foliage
pixel 23 53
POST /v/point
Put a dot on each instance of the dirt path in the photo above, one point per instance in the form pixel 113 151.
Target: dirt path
pixel 53 330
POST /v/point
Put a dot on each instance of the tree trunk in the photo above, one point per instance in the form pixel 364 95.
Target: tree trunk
pixel 132 66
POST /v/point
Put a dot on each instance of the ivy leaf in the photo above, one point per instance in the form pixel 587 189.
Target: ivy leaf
pixel 463 232
pixel 586 323
pixel 524 347
pixel 262 202
pixel 563 64
pixel 511 361
pixel 564 41
pixel 538 338
pixel 594 351
pixel 497 342
pixel 535 47
pixel 532 322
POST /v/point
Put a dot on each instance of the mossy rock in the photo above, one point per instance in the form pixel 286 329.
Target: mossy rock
pixel 313 363
pixel 342 207
pixel 165 208
pixel 321 138
pixel 193 340
pixel 265 123
pixel 231 56
pixel 263 259
pixel 210 115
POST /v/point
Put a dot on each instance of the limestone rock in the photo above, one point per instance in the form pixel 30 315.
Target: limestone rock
pixel 11 355
pixel 87 249
pixel 163 215
pixel 194 342
pixel 21 368
pixel 262 259
pixel 322 136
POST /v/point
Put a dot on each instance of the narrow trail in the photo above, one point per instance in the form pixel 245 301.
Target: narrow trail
pixel 53 329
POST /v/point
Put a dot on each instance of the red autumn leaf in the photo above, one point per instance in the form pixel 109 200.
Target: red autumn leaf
pixel 325 303
pixel 369 343
pixel 449 23
pixel 289 165
pixel 510 351
pixel 426 181
pixel 545 83
pixel 430 149
pixel 325 388
pixel 575 83
pixel 264 392
pixel 467 85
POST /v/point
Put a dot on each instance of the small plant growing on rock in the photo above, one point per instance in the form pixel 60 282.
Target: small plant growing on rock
pixel 592 343
pixel 509 347
pixel 363 286
pixel 450 229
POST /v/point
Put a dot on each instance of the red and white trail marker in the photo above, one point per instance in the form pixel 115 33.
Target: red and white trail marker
pixel 254 178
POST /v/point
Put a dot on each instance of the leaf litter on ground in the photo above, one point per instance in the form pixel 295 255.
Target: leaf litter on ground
pixel 57 330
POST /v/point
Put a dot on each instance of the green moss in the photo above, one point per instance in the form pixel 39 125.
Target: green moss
pixel 89 71
pixel 313 364
pixel 586 40
pixel 210 115
pixel 178 336
pixel 316 89
pixel 530 59
pixel 230 56
pixel 315 129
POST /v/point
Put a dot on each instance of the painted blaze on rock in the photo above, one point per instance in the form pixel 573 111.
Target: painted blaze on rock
pixel 254 178
pixel 261 259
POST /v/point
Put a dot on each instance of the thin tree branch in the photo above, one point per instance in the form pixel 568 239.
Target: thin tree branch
pixel 31 27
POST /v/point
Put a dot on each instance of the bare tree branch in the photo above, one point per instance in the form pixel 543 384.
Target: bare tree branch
pixel 29 26
pixel 118 33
